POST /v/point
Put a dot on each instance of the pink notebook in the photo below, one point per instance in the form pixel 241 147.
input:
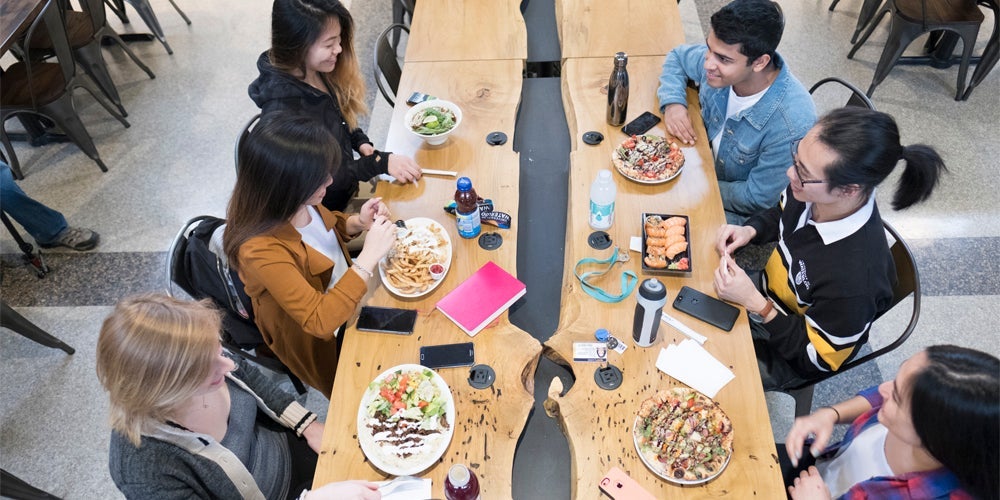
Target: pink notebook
pixel 481 298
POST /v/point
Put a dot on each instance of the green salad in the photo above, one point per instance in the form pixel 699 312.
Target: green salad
pixel 410 394
pixel 433 120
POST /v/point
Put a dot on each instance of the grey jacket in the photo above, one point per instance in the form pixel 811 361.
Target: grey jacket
pixel 173 463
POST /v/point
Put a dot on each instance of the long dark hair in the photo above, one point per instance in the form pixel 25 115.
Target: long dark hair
pixel 295 26
pixel 283 162
pixel 868 147
pixel 955 406
pixel 755 25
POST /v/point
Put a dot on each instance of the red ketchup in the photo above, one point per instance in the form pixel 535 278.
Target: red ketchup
pixel 461 484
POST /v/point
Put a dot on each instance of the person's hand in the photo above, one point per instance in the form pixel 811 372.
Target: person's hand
pixel 346 490
pixel 732 284
pixel 366 149
pixel 403 168
pixel 678 123
pixel 730 238
pixel 381 238
pixel 818 424
pixel 371 209
pixel 314 435
pixel 809 486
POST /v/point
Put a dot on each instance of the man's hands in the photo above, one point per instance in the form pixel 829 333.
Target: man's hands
pixel 678 123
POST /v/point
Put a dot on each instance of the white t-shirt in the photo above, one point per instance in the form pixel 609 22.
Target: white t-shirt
pixel 324 241
pixel 735 105
pixel 860 461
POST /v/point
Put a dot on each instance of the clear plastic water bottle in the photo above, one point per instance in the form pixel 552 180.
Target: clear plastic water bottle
pixel 602 201
pixel 618 91
pixel 467 209
pixel 461 484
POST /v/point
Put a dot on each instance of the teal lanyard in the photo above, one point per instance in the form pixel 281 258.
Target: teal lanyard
pixel 629 279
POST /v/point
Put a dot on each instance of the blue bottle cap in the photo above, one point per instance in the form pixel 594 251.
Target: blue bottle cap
pixel 602 335
pixel 464 184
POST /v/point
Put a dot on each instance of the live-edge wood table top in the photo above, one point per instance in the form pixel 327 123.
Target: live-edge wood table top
pixel 463 30
pixel 599 28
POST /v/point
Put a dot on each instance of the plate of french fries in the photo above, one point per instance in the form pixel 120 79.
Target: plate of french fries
pixel 406 269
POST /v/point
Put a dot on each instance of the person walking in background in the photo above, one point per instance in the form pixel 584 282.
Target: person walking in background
pixel 752 106
pixel 47 226
pixel 929 434
pixel 832 272
pixel 312 69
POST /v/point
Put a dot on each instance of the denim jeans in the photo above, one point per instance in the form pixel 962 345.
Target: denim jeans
pixel 40 221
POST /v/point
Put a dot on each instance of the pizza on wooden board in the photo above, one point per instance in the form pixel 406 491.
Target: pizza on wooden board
pixel 648 158
pixel 683 435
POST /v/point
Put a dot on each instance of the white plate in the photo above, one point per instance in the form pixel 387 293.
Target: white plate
pixel 624 174
pixel 388 462
pixel 417 222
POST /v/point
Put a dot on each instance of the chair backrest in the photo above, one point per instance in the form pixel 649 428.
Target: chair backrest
pixel 243 137
pixel 97 13
pixel 52 16
pixel 858 98
pixel 387 63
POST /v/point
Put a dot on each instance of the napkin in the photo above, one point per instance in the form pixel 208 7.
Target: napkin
pixel 690 363
pixel 405 488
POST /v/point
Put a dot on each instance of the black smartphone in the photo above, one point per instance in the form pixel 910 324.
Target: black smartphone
pixel 418 97
pixel 641 124
pixel 448 355
pixel 708 309
pixel 387 320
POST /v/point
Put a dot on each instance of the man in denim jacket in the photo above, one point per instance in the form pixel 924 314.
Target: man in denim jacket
pixel 752 106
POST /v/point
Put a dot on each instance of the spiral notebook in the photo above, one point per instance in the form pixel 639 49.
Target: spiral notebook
pixel 481 298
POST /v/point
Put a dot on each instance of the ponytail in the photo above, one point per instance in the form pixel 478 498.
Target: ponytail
pixel 924 167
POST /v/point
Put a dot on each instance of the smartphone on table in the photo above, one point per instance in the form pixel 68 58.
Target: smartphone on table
pixel 448 355
pixel 387 320
pixel 641 124
pixel 706 308
pixel 418 97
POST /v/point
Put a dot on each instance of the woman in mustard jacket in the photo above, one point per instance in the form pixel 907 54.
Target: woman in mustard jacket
pixel 289 250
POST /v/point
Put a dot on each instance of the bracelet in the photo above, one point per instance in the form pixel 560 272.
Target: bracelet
pixel 834 410
pixel 364 273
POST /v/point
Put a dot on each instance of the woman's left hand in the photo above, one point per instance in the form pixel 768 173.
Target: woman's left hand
pixel 366 149
pixel 314 435
pixel 809 486
pixel 372 208
pixel 732 283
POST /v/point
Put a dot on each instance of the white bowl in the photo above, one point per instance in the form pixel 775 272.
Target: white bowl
pixel 440 137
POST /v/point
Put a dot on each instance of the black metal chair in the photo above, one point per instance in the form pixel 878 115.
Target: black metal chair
pixel 992 51
pixel 386 65
pixel 197 265
pixel 11 319
pixel 243 137
pixel 46 89
pixel 148 16
pixel 14 487
pixel 857 98
pixel 912 18
pixel 907 283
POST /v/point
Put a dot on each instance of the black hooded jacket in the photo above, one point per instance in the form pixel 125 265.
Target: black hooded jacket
pixel 275 91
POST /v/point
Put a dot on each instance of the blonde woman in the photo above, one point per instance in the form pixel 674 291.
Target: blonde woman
pixel 312 69
pixel 189 421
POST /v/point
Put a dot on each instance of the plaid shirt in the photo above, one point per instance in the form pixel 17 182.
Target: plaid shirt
pixel 935 484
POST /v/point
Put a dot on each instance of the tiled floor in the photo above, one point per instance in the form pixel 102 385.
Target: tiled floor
pixel 176 162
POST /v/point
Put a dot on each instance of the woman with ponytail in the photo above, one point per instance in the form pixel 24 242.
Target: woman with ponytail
pixel 831 273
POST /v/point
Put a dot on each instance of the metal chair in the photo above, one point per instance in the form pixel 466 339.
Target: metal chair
pixel 197 265
pixel 145 11
pixel 907 283
pixel 992 51
pixel 243 137
pixel 386 65
pixel 9 318
pixel 401 10
pixel 912 18
pixel 46 89
pixel 858 98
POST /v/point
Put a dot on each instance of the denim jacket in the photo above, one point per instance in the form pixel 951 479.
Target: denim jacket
pixel 755 150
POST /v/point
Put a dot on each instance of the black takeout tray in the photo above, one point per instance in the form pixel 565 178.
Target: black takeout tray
pixel 677 258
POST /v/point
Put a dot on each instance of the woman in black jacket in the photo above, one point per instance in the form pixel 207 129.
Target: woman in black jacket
pixel 312 69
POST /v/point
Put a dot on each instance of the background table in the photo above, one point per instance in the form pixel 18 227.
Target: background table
pixel 599 423
pixel 488 421
pixel 599 28
pixel 461 30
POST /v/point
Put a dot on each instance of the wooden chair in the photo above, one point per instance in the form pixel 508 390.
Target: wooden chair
pixel 386 65
pixel 907 283
pixel 912 18
pixel 46 89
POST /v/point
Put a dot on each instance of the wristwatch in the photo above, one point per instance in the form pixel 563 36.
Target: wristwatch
pixel 760 316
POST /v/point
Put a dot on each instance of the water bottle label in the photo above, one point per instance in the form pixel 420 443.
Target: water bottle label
pixel 601 216
pixel 469 225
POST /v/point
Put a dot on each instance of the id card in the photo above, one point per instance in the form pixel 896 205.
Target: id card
pixel 587 351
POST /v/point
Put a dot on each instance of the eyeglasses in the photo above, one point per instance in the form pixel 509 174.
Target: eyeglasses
pixel 798 167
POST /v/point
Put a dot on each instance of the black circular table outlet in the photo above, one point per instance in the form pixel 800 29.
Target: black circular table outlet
pixel 496 138
pixel 593 137
pixel 599 240
pixel 608 378
pixel 490 241
pixel 481 376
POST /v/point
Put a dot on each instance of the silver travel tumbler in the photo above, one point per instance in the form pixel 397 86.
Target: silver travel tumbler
pixel 649 305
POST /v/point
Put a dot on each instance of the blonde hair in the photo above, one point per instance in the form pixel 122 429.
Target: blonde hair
pixel 153 353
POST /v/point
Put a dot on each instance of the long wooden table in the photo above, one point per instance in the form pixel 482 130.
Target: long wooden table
pixel 15 18
pixel 599 28
pixel 488 421
pixel 462 30
pixel 598 423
